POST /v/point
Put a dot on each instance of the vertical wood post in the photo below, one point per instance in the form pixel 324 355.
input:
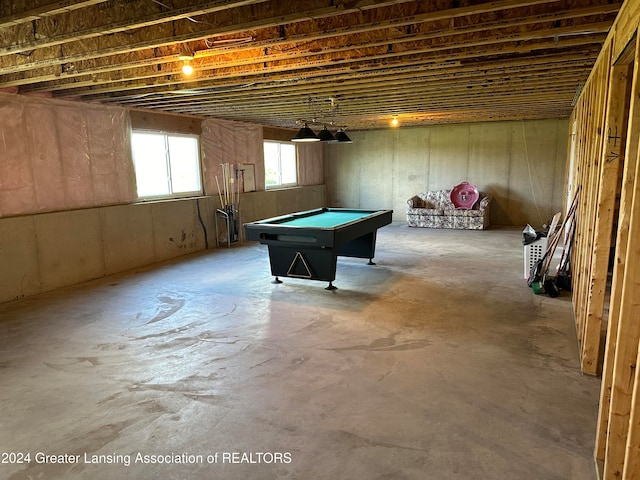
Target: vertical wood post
pixel 627 338
pixel 622 239
pixel 611 161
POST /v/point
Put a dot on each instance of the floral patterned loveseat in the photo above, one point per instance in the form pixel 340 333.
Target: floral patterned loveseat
pixel 434 209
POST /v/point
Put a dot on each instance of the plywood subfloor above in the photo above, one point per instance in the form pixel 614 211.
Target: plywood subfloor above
pixel 352 63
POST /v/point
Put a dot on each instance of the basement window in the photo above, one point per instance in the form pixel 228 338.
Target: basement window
pixel 166 165
pixel 280 164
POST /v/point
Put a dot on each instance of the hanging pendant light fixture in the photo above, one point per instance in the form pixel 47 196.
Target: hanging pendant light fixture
pixel 326 136
pixel 305 134
pixel 317 118
pixel 342 137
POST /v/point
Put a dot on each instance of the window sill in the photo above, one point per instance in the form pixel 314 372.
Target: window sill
pixel 281 187
pixel 146 201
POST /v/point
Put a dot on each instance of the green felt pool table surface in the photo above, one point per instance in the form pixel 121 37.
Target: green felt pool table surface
pixel 325 219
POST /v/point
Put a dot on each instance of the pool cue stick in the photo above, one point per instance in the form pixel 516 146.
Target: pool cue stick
pixel 227 183
pixel 223 193
pixel 223 184
pixel 219 193
pixel 238 174
pixel 229 199
pixel 231 184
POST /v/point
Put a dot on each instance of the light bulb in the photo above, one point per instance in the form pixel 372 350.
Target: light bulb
pixel 187 69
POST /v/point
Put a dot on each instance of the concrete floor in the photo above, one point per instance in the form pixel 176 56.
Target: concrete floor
pixel 438 363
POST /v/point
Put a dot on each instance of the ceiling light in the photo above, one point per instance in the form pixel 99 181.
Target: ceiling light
pixel 305 134
pixel 326 136
pixel 343 137
pixel 394 121
pixel 186 58
pixel 187 69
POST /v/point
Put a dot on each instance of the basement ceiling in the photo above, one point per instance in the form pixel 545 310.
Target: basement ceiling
pixel 339 62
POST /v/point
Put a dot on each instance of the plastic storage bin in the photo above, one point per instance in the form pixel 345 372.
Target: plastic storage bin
pixel 532 253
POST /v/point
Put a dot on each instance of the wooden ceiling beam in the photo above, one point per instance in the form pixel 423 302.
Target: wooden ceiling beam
pixel 47 10
pixel 213 6
pixel 329 88
pixel 263 60
pixel 429 89
pixel 100 30
pixel 359 101
pixel 93 77
pixel 44 74
pixel 318 66
pixel 293 104
pixel 451 14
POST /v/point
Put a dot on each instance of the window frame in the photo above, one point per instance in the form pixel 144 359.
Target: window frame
pixel 171 194
pixel 281 185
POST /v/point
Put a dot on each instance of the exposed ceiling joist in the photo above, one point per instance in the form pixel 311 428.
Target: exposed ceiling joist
pixel 262 60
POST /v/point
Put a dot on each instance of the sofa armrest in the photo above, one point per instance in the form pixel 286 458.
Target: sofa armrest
pixel 484 203
pixel 416 202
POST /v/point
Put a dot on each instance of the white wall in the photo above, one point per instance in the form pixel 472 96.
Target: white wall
pixel 521 164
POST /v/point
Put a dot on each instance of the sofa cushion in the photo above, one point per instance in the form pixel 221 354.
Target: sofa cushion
pixel 440 199
pixel 425 211
pixel 461 212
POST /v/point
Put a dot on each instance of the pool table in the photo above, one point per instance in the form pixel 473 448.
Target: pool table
pixel 307 244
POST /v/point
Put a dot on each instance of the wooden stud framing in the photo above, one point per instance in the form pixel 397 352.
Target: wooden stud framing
pixel 632 458
pixel 629 210
pixel 606 164
pixel 611 162
pixel 625 387
pixel 623 429
pixel 614 454
pixel 622 240
pixel 588 318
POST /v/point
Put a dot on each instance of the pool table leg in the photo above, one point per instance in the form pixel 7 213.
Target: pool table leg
pixel 331 287
pixel 276 280
pixel 371 262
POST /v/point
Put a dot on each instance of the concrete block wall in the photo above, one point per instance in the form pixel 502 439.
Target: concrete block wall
pixel 521 164
pixel 46 251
